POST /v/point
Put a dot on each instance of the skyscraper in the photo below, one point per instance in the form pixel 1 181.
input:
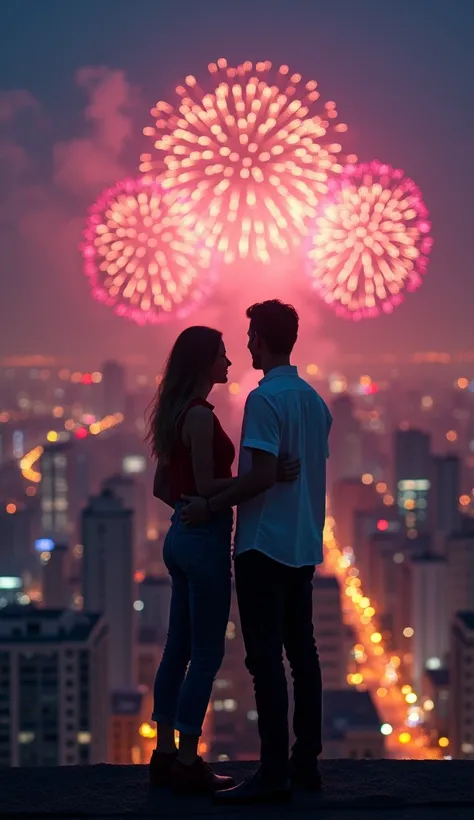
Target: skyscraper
pixel 56 591
pixel 63 488
pixel 329 631
pixel 113 388
pixel 154 595
pixel 108 583
pixel 429 614
pixel 351 725
pixel 413 475
pixel 125 720
pixel 232 731
pixel 460 565
pixel 132 494
pixel 346 443
pixel 382 576
pixel 17 555
pixel 461 686
pixel 53 692
pixel 445 516
pixel 349 496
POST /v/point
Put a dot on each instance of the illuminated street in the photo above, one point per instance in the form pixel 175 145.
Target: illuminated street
pixel 377 669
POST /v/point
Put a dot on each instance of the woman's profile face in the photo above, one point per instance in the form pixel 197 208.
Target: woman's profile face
pixel 219 370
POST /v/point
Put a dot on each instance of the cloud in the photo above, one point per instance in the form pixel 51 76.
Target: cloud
pixel 15 161
pixel 12 102
pixel 87 164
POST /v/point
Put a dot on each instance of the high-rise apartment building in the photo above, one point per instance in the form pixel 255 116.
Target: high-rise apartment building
pixel 63 489
pixel 113 388
pixel 108 582
pixel 124 745
pixel 232 719
pixel 348 497
pixel 154 596
pixel 346 443
pixel 462 686
pixel 351 725
pixel 413 476
pixel 460 564
pixel 56 589
pixel 381 575
pixel 132 493
pixel 444 502
pixel 329 631
pixel 436 689
pixel 17 530
pixel 53 687
pixel 429 615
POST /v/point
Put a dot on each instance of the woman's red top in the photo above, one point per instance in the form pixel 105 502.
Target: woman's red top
pixel 181 472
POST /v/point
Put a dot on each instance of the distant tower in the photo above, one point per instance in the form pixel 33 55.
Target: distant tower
pixel 429 608
pixel 346 441
pixel 413 476
pixel 113 388
pixel 16 536
pixel 155 596
pixel 329 631
pixel 446 490
pixel 55 491
pixel 132 494
pixel 56 592
pixel 460 698
pixel 351 496
pixel 108 583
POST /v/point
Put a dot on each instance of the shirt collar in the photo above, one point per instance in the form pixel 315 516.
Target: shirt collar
pixel 283 370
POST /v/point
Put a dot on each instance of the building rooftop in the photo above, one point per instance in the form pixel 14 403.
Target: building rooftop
pixel 467 618
pixel 126 702
pixel 439 677
pixel 353 790
pixel 29 624
pixel 326 582
pixel 346 710
pixel 155 581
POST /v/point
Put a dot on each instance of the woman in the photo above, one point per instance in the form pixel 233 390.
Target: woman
pixel 195 457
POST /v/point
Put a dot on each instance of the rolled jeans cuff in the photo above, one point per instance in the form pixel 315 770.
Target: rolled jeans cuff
pixel 180 727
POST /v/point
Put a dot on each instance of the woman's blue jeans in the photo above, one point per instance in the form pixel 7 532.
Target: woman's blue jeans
pixel 199 563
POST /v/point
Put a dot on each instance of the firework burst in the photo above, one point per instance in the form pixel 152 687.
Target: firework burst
pixel 246 163
pixel 370 241
pixel 139 260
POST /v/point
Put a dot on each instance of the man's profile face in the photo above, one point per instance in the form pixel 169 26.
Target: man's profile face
pixel 254 348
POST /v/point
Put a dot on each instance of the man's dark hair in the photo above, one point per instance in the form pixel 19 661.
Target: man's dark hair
pixel 275 323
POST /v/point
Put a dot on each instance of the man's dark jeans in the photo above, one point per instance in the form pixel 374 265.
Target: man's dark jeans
pixel 276 611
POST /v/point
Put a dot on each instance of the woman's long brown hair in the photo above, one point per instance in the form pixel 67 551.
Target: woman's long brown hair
pixel 187 369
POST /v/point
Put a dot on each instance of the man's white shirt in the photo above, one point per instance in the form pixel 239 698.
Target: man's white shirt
pixel 285 416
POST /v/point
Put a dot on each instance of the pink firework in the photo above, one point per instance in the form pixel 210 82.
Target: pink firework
pixel 250 158
pixel 141 261
pixel 371 241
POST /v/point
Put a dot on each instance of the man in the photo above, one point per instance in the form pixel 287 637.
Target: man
pixel 278 543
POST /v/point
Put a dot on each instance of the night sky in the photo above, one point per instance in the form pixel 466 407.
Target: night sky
pixel 400 72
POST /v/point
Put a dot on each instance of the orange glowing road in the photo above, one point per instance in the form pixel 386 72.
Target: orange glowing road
pixel 378 669
pixel 28 470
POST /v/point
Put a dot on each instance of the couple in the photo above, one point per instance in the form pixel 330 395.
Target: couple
pixel 280 494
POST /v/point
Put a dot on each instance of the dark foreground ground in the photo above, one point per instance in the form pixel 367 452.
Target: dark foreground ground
pixel 358 790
